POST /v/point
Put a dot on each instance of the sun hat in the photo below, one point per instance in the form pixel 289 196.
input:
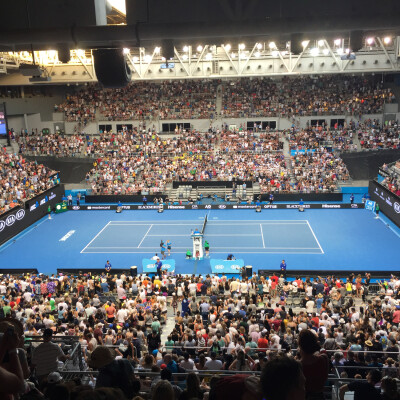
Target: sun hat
pixel 368 343
pixel 100 357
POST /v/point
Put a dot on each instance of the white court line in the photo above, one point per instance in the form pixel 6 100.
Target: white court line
pixel 315 237
pixel 208 234
pixel 254 221
pixel 135 224
pixel 95 237
pixel 214 247
pixel 144 237
pixel 262 235
pixel 389 227
pixel 184 252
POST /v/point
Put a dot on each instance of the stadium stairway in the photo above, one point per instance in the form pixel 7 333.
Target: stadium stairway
pixel 218 101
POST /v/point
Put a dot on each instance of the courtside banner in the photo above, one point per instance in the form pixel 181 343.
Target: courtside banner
pixel 149 265
pixel 226 266
pixel 388 202
pixel 20 218
pixel 101 207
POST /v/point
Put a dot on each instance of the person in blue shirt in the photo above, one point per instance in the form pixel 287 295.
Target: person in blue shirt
pixel 283 268
pixel 271 198
pixel 144 200
pixel 352 198
pixel 158 267
pixel 108 266
pixel 119 204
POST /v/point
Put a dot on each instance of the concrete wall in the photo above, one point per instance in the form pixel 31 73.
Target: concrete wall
pixel 34 105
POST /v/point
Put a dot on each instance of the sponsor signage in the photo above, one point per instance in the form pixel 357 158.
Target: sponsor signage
pixel 388 202
pixel 219 207
pixel 18 219
pixel 150 267
pixel 226 266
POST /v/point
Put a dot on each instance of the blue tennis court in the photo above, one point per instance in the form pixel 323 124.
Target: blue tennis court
pixel 290 237
pixel 314 240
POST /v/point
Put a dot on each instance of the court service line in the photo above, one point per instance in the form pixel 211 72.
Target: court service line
pixel 183 252
pixel 144 237
pixel 219 222
pixel 207 234
pixel 315 237
pixel 95 237
pixel 214 247
pixel 262 235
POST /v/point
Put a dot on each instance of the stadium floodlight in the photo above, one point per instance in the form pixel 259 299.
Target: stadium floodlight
pixel 321 43
pixel 157 50
pixel 259 46
pixel 199 48
pixel 284 53
pixel 304 43
pixel 275 53
pixel 147 58
pixel 272 45
pixel 337 42
pixel 243 56
pixel 347 51
pixel 387 40
pixel 314 51
pixel 208 56
pixel 257 54
pixel 242 46
pixel 184 57
pixel 80 53
pixel 135 59
pixel 233 55
pixel 325 52
pixel 125 50
pixel 340 51
pixel 370 41
pixel 227 47
pixel 185 49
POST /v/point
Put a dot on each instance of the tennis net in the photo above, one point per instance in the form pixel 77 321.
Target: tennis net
pixel 204 225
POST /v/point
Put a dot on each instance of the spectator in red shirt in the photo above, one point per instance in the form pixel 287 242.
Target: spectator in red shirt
pixel 262 343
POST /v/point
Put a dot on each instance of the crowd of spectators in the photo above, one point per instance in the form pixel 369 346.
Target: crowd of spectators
pixel 302 96
pixel 247 326
pixel 21 180
pixel 340 139
pixel 51 145
pixel 318 171
pixel 391 177
pixel 374 136
pixel 245 97
pixel 131 163
pixel 142 101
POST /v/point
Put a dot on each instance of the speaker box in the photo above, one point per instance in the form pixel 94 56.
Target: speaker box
pixel 356 40
pixel 295 43
pixel 111 68
pixel 249 271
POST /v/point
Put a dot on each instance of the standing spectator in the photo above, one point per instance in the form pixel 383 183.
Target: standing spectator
pixel 108 267
pixel 283 268
pixel 364 390
pixel 315 364
pixel 45 357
